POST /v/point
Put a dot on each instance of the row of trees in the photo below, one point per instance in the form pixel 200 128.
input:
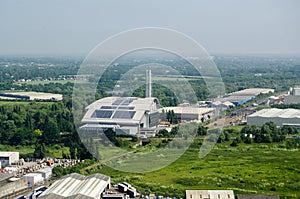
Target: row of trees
pixel 267 133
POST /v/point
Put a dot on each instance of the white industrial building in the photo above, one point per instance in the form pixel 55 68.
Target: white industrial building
pixel 280 117
pixel 209 194
pixel 8 158
pixel 191 113
pixel 33 178
pixel 126 115
pixel 45 172
pixel 78 186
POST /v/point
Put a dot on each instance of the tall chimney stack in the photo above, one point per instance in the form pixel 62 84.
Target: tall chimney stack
pixel 148 84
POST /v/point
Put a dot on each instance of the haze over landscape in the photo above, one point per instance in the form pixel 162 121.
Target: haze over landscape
pixel 75 27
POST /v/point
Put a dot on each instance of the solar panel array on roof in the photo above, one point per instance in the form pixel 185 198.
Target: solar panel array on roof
pixel 126 108
pixel 123 101
pixel 118 107
pixel 118 101
pixel 108 107
pixel 124 114
pixel 102 114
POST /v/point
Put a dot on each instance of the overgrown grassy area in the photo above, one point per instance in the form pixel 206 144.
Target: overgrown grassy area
pixel 255 168
pixel 55 151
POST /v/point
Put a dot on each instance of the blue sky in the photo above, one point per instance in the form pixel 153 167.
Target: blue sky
pixel 66 27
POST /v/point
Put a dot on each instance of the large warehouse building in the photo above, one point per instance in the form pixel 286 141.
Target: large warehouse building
pixel 126 115
pixel 243 96
pixel 78 186
pixel 280 117
pixel 7 158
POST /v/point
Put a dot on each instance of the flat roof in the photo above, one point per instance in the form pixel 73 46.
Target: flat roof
pixel 7 153
pixel 189 110
pixel 279 113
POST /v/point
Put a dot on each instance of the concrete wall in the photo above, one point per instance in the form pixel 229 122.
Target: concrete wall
pixel 292 99
pixel 11 187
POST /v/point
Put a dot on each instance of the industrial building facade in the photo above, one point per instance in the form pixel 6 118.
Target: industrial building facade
pixel 7 158
pixel 191 113
pixel 209 194
pixel 126 115
pixel 293 97
pixel 280 117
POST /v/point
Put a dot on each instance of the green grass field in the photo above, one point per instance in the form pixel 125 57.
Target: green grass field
pixel 264 168
pixel 55 151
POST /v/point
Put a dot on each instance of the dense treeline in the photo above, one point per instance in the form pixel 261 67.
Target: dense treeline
pixel 40 124
pixel 284 106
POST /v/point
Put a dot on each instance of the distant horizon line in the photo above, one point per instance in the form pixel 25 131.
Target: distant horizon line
pixel 83 55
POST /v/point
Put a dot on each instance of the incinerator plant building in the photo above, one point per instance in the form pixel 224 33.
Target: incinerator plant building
pixel 126 115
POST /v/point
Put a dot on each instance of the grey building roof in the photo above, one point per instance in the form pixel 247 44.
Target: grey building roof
pixel 256 196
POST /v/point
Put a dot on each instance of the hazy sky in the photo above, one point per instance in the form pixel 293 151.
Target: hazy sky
pixel 221 26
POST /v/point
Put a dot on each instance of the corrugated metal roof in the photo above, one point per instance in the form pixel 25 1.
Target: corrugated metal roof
pixel 78 186
pixel 280 113
pixel 189 110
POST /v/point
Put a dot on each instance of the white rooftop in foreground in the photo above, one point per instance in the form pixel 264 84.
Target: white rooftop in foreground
pixel 77 186
pixel 274 112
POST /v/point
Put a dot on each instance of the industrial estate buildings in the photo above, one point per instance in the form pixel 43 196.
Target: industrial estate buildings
pixel 280 117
